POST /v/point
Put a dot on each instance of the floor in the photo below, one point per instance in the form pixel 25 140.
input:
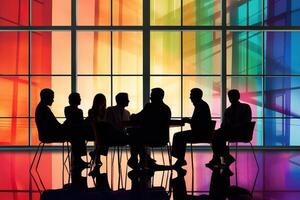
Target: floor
pixel 277 179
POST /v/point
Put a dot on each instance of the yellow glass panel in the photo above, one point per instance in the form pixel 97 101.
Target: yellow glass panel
pixel 165 55
pixel 127 53
pixel 211 94
pixel 165 12
pixel 172 88
pixel 127 12
pixel 93 52
pixel 93 12
pixel 201 52
pixel 134 87
pixel 89 86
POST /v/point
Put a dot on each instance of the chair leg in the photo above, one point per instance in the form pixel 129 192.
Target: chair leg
pixel 36 153
pixel 192 160
pixel 39 157
pixel 235 164
pixel 254 156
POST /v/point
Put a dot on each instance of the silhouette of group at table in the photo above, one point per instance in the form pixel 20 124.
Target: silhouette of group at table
pixel 115 126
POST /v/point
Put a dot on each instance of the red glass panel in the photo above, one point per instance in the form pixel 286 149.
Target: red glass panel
pixel 13 12
pixel 13 52
pixel 14 131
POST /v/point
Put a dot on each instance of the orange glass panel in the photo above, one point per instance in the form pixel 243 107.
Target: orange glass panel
pixel 93 52
pixel 13 52
pixel 14 131
pixel 134 87
pixel 51 52
pixel 172 88
pixel 93 12
pixel 127 53
pixel 61 86
pixel 51 12
pixel 14 98
pixel 127 12
pixel 89 86
pixel 14 13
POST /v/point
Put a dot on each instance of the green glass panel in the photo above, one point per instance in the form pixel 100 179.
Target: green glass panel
pixel 166 12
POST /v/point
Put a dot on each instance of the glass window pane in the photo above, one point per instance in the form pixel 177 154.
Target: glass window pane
pixel 201 12
pixel 60 93
pixel 250 90
pixel 282 96
pixel 14 98
pixel 10 16
pixel 243 13
pixel 282 132
pixel 282 13
pixel 13 52
pixel 93 12
pixel 14 131
pixel 201 52
pixel 51 12
pixel 93 52
pixel 165 55
pixel 244 53
pixel 211 94
pixel 89 86
pixel 172 88
pixel 166 12
pixel 282 53
pixel 135 91
pixel 127 12
pixel 51 52
pixel 127 53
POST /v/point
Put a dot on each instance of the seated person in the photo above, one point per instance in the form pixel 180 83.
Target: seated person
pixel 50 130
pixel 200 127
pixel 116 115
pixel 235 119
pixel 106 134
pixel 73 114
pixel 153 122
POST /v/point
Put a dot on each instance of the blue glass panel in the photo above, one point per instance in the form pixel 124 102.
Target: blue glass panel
pixel 282 53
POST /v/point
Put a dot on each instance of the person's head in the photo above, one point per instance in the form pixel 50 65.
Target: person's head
pixel 99 102
pixel 157 95
pixel 122 99
pixel 47 96
pixel 196 95
pixel 234 96
pixel 74 99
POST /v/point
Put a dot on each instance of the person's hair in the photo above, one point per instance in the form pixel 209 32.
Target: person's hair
pixel 234 93
pixel 46 93
pixel 121 97
pixel 98 99
pixel 197 92
pixel 73 97
pixel 158 92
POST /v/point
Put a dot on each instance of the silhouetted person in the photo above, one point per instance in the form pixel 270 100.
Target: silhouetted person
pixel 116 115
pixel 107 133
pixel 200 127
pixel 153 121
pixel 73 114
pixel 235 119
pixel 51 130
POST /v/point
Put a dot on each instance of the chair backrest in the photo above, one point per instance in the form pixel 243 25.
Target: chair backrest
pixel 246 134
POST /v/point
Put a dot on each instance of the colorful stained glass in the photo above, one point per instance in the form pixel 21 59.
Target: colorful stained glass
pixel 201 52
pixel 14 131
pixel 14 13
pixel 165 55
pixel 93 52
pixel 167 12
pixel 13 52
pixel 127 13
pixel 127 53
pixel 201 12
